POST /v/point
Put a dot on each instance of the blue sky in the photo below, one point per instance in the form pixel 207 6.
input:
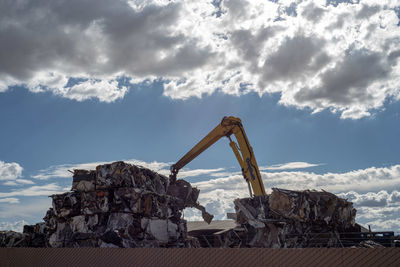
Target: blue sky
pixel 317 92
pixel 41 130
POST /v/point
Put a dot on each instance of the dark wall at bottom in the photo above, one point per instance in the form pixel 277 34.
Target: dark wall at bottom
pixel 199 257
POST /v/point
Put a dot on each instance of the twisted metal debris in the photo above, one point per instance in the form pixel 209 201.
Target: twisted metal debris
pixel 116 205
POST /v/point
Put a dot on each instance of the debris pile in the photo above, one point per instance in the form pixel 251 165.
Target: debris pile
pixel 123 205
pixel 291 219
pixel 116 205
pixel 32 236
pixel 12 239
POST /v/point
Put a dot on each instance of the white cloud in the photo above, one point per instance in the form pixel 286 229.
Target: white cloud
pixel 342 57
pixel 385 225
pixel 384 218
pixel 289 165
pixel 10 183
pixel 24 181
pixel 10 171
pixel 32 210
pixel 193 173
pixel 395 197
pixel 37 190
pixel 18 182
pixel 16 226
pixel 104 90
pixel 373 199
pixel 11 200
pixel 11 174
pixel 363 180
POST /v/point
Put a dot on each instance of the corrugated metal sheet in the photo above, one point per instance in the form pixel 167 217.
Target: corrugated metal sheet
pixel 199 257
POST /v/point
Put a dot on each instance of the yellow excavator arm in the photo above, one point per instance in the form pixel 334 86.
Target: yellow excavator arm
pixel 244 153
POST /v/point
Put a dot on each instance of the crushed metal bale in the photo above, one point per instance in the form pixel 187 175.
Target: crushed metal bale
pixel 290 219
pixel 116 205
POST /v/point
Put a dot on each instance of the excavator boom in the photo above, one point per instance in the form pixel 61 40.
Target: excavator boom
pixel 244 153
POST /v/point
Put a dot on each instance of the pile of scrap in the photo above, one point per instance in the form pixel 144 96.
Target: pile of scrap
pixel 12 239
pixel 291 219
pixel 32 236
pixel 116 205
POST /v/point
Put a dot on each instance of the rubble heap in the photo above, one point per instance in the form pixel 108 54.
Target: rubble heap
pixel 32 236
pixel 292 219
pixel 117 205
pixel 12 239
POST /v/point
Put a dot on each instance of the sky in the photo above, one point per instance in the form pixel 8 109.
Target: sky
pixel 315 83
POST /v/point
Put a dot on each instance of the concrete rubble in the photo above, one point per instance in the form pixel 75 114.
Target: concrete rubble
pixel 116 205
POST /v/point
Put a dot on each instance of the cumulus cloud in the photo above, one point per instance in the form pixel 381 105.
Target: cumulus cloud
pixel 385 225
pixel 372 199
pixel 368 179
pixel 32 209
pixel 11 174
pixel 16 226
pixel 335 55
pixel 10 171
pixel 380 209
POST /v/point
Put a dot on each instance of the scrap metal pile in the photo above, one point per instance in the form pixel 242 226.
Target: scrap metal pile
pixel 291 219
pixel 123 205
pixel 116 205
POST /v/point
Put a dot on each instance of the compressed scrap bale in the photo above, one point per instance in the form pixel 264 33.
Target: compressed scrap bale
pixel 261 229
pixel 67 204
pixel 84 180
pixel 121 205
pixel 318 207
pixel 62 237
pixel 252 210
pixel 121 174
pixel 287 219
pixel 95 202
pixel 36 235
pixel 13 239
